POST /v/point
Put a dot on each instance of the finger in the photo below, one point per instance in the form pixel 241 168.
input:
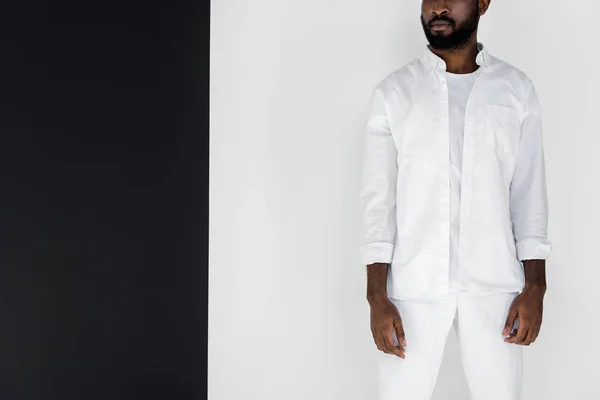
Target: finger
pixel 376 341
pixel 510 322
pixel 514 331
pixel 510 336
pixel 400 337
pixel 522 334
pixel 389 342
pixel 380 342
pixel 400 334
pixel 537 331
pixel 376 338
pixel 531 336
pixel 519 335
pixel 537 334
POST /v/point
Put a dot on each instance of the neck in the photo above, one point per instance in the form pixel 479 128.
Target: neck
pixel 460 61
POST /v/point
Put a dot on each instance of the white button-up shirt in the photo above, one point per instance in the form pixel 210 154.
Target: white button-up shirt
pixel 405 195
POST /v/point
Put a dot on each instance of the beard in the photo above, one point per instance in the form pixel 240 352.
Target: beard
pixel 459 36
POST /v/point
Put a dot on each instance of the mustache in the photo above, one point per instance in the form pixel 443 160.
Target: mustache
pixel 442 18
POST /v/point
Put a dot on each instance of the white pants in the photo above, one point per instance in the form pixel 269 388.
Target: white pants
pixel 493 367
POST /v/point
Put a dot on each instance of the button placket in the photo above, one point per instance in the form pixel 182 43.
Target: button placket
pixel 471 112
pixel 445 177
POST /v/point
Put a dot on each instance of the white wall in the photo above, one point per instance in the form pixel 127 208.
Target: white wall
pixel 290 82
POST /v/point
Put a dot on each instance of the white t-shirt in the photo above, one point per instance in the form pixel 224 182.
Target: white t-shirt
pixel 459 87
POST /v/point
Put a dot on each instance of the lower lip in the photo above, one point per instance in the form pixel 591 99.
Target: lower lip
pixel 440 27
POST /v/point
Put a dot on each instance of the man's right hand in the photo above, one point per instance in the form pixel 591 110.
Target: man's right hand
pixel 385 321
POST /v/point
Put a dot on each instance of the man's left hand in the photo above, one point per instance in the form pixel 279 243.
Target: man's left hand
pixel 528 307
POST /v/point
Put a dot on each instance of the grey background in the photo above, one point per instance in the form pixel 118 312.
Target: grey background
pixel 290 82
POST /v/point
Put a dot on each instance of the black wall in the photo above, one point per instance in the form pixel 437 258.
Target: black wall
pixel 103 199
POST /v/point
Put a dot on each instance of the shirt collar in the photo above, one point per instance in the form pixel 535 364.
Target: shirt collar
pixel 433 61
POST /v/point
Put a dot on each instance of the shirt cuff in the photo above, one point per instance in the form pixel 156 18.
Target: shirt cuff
pixel 377 252
pixel 533 249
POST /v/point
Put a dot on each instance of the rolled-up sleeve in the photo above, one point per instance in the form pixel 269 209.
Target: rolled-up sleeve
pixel 378 190
pixel 528 196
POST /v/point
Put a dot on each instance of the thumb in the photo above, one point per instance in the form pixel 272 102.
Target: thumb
pixel 510 322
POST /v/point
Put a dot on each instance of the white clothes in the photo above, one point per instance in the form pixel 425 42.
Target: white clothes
pixel 493 368
pixel 406 193
pixel 459 87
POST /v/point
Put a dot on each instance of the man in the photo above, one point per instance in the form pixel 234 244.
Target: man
pixel 455 212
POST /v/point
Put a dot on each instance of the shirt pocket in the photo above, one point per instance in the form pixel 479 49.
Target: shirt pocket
pixel 502 131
